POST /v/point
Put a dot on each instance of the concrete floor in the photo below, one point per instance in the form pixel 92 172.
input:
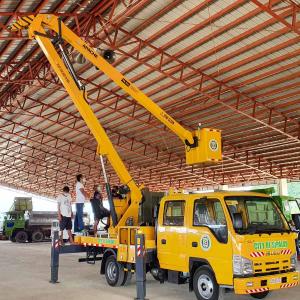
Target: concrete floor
pixel 25 273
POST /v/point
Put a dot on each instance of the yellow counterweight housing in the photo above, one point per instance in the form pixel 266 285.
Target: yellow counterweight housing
pixel 208 149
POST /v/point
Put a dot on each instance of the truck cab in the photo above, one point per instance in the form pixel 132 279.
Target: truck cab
pixel 13 223
pixel 236 240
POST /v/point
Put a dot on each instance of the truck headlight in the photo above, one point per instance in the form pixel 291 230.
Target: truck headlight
pixel 242 265
pixel 293 261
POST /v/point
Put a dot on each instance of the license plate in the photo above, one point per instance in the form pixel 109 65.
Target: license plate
pixel 275 280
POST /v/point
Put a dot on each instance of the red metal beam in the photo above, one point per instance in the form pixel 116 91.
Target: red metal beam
pixel 294 9
pixel 47 115
pixel 103 6
pixel 41 138
pixel 239 95
pixel 182 67
pixel 41 109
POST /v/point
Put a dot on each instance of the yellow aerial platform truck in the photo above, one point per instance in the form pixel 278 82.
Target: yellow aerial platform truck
pixel 234 240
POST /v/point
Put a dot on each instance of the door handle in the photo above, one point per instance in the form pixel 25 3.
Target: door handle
pixel 163 241
pixel 194 244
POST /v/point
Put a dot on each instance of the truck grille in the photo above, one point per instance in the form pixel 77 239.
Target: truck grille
pixel 271 266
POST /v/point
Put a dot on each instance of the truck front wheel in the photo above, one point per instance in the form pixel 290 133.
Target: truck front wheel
pixel 260 295
pixel 205 285
pixel 21 236
pixel 114 272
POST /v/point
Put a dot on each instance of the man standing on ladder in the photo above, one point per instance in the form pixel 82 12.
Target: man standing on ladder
pixel 81 196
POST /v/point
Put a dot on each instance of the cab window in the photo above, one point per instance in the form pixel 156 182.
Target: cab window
pixel 174 213
pixel 209 213
pixel 259 214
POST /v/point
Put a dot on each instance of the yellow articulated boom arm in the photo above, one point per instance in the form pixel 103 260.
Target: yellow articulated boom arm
pixel 202 145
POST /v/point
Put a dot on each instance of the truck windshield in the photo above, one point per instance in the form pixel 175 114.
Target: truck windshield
pixel 259 214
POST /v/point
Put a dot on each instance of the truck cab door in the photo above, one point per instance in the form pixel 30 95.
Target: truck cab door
pixel 209 240
pixel 172 235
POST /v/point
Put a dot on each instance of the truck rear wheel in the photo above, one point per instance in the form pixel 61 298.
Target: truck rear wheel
pixel 37 236
pixel 205 284
pixel 260 295
pixel 21 236
pixel 114 272
pixel 127 278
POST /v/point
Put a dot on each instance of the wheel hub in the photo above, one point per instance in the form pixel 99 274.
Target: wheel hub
pixel 112 271
pixel 38 236
pixel 205 287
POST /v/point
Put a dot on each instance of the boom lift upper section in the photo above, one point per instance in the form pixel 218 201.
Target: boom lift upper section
pixel 201 146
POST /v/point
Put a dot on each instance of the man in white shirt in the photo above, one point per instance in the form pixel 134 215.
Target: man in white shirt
pixel 81 196
pixel 65 214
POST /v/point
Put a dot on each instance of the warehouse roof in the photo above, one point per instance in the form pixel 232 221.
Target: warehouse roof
pixel 231 65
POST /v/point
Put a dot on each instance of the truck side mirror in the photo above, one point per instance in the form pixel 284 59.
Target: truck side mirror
pixel 296 220
pixel 237 221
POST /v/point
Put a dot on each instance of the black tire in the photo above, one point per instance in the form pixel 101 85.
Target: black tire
pixel 114 272
pixel 260 295
pixel 156 277
pixel 158 274
pixel 127 278
pixel 37 236
pixel 21 236
pixel 205 285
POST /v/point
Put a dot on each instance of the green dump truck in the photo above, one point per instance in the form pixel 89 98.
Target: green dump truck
pixel 22 224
